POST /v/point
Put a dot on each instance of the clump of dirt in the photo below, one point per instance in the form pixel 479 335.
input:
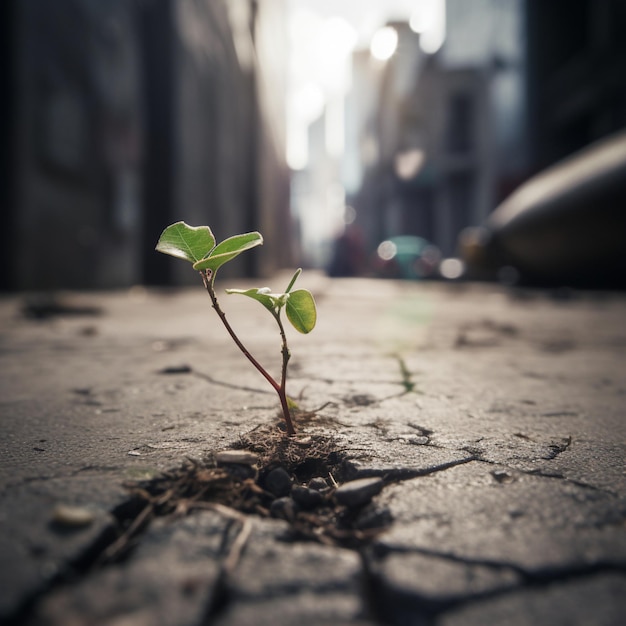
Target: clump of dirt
pixel 292 478
pixel 303 456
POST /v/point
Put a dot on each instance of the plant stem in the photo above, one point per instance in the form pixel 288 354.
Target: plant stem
pixel 282 393
pixel 208 279
pixel 284 350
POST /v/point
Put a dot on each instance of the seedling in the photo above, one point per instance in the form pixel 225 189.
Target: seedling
pixel 197 245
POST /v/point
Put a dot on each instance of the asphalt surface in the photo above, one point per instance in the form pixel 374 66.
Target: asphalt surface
pixel 494 416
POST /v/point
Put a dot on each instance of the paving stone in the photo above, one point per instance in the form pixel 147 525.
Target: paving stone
pixel 534 523
pixel 422 379
pixel 170 579
pixel 417 582
pixel 395 460
pixel 273 567
pixel 298 609
pixel 599 600
pixel 33 548
pixel 277 581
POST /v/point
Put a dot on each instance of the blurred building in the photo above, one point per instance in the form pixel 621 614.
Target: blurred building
pixel 437 136
pixel 434 138
pixel 567 224
pixel 433 132
pixel 124 116
pixel 438 140
pixel 434 168
pixel 576 75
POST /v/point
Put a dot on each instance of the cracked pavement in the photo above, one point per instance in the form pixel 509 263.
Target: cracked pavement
pixel 494 416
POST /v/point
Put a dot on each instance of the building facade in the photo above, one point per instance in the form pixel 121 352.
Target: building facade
pixel 125 116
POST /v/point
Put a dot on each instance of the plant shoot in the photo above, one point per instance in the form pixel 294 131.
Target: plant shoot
pixel 197 245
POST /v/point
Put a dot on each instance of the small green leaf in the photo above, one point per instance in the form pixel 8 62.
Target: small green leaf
pixel 260 295
pixel 190 243
pixel 301 310
pixel 293 279
pixel 228 250
pixel 292 404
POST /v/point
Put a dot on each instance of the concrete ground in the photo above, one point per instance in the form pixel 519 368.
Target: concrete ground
pixel 496 416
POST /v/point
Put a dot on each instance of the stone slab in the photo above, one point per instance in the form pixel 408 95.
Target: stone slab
pixel 171 578
pixel 494 416
pixel 599 600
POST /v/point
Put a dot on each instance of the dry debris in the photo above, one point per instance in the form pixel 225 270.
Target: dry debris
pixel 313 464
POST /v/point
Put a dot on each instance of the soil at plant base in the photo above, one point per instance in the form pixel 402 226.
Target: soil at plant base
pixel 292 478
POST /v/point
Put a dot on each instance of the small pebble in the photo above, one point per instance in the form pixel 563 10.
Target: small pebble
pixel 358 492
pixel 278 482
pixel 502 476
pixel 373 518
pixel 72 516
pixel 240 457
pixel 318 483
pixel 306 498
pixel 239 471
pixel 418 440
pixel 284 508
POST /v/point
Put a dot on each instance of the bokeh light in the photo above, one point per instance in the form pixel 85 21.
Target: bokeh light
pixel 387 250
pixel 384 43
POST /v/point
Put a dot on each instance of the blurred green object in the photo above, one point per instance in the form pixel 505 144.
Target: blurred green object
pixel 408 257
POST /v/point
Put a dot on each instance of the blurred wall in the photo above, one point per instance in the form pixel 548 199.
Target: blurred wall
pixel 7 145
pixel 576 75
pixel 125 116
pixel 73 215
pixel 426 144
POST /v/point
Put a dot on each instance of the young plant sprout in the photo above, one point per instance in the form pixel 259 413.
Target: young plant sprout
pixel 196 244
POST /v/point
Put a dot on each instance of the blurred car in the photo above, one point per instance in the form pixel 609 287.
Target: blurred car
pixel 566 226
pixel 408 257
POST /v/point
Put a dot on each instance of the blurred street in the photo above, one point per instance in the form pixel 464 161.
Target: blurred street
pixel 495 416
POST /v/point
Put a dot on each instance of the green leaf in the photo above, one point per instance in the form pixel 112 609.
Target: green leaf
pixel 301 310
pixel 260 295
pixel 293 279
pixel 190 243
pixel 228 250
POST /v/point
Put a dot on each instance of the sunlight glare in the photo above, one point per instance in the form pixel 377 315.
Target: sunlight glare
pixel 384 43
pixel 429 20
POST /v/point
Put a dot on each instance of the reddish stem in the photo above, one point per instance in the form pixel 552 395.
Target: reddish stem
pixel 207 279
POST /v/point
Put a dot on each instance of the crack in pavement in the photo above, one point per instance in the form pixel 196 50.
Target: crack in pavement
pixel 400 604
pixel 399 474
pixel 542 473
pixel 578 483
pixel 127 516
pixel 47 477
pixel 223 383
pixel 558 448
pixel 381 599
